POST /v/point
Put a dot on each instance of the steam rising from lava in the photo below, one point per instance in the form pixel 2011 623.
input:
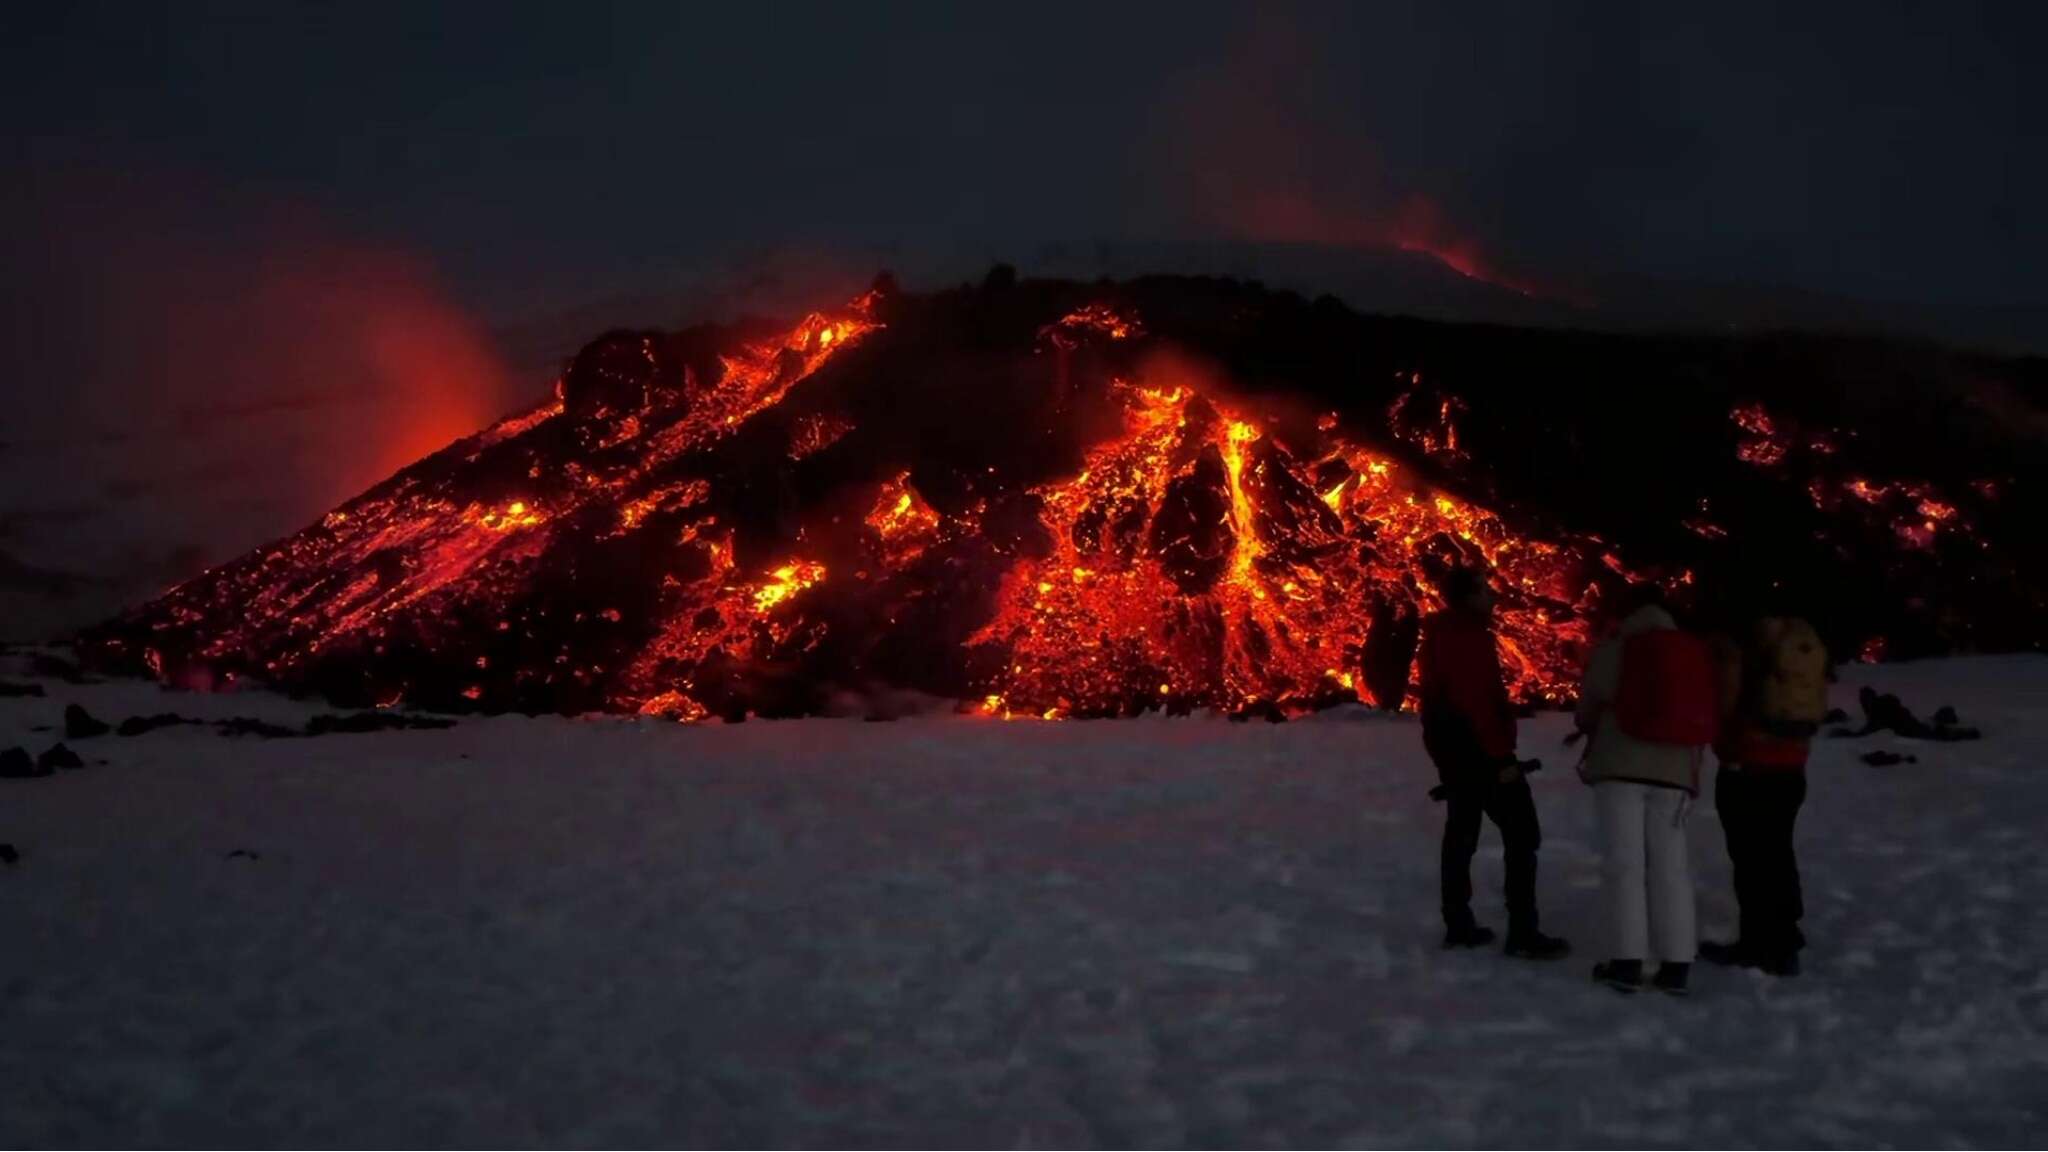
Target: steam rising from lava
pixel 200 369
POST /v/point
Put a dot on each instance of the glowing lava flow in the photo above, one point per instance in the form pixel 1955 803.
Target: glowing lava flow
pixel 679 532
pixel 414 542
pixel 1916 512
pixel 1194 563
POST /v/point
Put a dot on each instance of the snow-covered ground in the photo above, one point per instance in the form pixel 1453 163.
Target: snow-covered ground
pixel 966 932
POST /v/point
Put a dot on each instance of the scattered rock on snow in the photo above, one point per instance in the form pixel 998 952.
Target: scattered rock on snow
pixel 8 855
pixel 244 854
pixel 251 726
pixel 137 725
pixel 14 688
pixel 1884 759
pixel 16 764
pixel 82 725
pixel 58 756
pixel 372 722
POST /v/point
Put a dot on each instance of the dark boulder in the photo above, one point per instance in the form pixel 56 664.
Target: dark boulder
pixel 17 764
pixel 250 726
pixel 82 725
pixel 1390 644
pixel 1191 534
pixel 325 723
pixel 619 373
pixel 58 756
pixel 137 725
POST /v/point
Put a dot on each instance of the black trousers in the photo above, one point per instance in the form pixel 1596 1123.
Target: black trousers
pixel 1512 810
pixel 1758 809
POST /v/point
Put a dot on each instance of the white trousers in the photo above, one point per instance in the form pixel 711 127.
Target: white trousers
pixel 1647 873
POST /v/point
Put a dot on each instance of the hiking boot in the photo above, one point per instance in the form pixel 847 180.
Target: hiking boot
pixel 1672 978
pixel 1534 945
pixel 1624 976
pixel 1467 936
pixel 1730 954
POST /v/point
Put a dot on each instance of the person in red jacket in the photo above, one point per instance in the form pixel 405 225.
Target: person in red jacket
pixel 1468 728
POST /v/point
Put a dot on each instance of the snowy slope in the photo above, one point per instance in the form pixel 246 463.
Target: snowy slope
pixel 969 932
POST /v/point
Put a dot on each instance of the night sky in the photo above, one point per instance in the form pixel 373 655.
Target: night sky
pixel 253 258
pixel 536 161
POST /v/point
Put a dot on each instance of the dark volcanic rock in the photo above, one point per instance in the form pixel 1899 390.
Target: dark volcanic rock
pixel 137 725
pixel 1390 651
pixel 620 372
pixel 8 855
pixel 15 689
pixel 16 764
pixel 1191 535
pixel 325 723
pixel 58 756
pixel 250 726
pixel 82 725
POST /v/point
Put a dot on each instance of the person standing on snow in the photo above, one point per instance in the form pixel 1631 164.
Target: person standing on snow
pixel 1649 707
pixel 1774 694
pixel 1468 729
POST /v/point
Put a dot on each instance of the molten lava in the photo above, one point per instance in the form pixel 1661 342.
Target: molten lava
pixel 1026 498
pixel 1195 559
pixel 1915 512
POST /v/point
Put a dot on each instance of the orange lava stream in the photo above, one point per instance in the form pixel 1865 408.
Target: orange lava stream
pixel 1103 621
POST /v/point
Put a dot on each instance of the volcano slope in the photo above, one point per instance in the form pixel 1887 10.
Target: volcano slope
pixel 1069 499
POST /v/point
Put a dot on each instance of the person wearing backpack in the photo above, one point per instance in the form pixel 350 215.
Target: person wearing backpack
pixel 1468 728
pixel 1774 692
pixel 1649 708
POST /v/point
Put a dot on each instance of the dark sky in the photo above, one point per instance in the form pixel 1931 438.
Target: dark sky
pixel 534 161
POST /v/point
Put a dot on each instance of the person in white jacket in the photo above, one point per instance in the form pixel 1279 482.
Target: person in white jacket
pixel 1644 792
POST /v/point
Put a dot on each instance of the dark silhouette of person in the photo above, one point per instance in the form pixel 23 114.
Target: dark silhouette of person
pixel 1773 697
pixel 1468 728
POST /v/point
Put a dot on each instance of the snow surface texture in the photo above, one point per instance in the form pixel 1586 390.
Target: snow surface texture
pixel 966 932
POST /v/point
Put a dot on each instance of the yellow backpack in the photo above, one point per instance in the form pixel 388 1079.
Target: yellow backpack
pixel 1787 685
